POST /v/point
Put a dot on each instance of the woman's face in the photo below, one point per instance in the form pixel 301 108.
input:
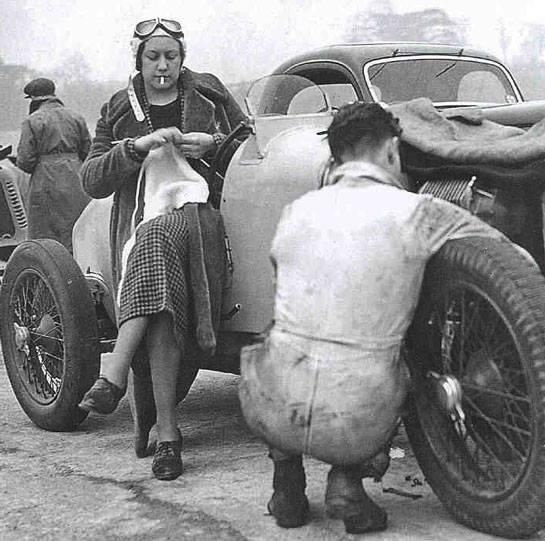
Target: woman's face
pixel 161 63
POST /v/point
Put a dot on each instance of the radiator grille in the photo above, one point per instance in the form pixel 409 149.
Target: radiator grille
pixel 453 190
pixel 15 202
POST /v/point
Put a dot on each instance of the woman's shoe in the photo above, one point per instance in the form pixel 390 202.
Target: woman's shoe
pixel 103 397
pixel 167 460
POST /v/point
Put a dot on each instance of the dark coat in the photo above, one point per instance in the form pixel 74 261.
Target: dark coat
pixel 110 169
pixel 54 142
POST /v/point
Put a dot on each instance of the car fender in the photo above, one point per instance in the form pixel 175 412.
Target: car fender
pixel 260 181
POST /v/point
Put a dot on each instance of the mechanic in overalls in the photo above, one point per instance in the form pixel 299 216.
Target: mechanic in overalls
pixel 349 261
pixel 53 144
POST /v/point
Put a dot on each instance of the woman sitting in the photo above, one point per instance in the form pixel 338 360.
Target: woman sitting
pixel 165 105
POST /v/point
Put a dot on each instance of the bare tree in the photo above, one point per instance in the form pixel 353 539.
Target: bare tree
pixel 383 24
pixel 528 62
pixel 13 78
pixel 74 69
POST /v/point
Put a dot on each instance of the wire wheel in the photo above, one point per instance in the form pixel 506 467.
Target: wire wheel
pixel 469 339
pixel 39 337
pixel 49 333
pixel 476 356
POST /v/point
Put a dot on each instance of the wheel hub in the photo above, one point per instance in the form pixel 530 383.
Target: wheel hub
pixel 447 392
pixel 45 333
pixel 22 337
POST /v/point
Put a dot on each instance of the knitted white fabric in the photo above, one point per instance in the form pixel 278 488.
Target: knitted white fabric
pixel 170 183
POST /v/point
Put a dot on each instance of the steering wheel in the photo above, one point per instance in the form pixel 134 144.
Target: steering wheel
pixel 215 179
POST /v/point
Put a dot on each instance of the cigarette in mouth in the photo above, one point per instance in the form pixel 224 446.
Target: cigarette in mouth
pixel 162 80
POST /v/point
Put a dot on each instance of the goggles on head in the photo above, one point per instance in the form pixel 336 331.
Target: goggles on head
pixel 146 28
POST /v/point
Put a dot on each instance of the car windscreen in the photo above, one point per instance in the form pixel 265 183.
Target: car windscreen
pixel 448 80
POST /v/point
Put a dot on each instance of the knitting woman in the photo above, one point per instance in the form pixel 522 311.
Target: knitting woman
pixel 166 106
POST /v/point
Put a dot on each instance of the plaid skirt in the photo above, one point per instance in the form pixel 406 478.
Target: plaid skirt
pixel 157 273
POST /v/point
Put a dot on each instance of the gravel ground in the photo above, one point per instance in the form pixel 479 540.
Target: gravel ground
pixel 88 484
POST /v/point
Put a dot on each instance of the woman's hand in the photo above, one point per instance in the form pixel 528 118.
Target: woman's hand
pixel 197 144
pixel 157 138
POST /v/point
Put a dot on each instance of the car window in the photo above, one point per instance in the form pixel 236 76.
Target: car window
pixel 306 101
pixel 334 82
pixel 482 86
pixel 285 95
pixel 443 80
pixel 339 93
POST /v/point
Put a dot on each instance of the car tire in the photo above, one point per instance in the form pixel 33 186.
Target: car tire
pixel 481 320
pixel 48 330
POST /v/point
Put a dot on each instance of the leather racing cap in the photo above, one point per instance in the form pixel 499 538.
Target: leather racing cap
pixel 39 87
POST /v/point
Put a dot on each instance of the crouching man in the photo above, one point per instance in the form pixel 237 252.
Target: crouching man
pixel 349 261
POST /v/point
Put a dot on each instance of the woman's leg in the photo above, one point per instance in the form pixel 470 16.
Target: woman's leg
pixel 115 366
pixel 105 394
pixel 164 358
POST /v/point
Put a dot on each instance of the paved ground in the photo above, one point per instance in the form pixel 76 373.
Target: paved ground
pixel 88 484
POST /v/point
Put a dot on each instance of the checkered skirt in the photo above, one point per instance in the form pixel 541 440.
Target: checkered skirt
pixel 157 273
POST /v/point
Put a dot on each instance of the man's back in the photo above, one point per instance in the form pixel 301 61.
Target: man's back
pixel 350 258
pixel 329 380
pixel 54 129
pixel 54 141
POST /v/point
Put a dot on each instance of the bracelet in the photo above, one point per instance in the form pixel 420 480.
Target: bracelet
pixel 133 153
pixel 218 138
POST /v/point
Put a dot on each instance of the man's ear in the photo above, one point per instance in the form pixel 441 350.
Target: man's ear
pixel 390 151
pixel 393 150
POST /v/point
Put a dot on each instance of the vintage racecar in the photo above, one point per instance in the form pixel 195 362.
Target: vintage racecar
pixel 476 350
pixel 13 221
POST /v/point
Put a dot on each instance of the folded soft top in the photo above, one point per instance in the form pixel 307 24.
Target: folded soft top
pixel 466 137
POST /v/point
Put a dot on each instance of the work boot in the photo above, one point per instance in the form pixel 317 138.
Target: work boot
pixel 376 467
pixel 288 504
pixel 346 499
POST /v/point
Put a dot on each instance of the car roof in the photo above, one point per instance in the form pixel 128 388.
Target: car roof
pixel 355 54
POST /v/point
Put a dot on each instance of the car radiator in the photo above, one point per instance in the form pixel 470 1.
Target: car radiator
pixel 12 195
pixel 454 190
pixel 464 193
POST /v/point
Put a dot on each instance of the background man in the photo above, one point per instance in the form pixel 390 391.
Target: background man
pixel 54 142
pixel 349 260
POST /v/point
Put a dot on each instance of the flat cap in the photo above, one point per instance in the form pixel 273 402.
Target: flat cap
pixel 39 87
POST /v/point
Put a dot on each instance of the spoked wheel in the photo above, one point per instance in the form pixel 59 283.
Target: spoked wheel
pixel 477 410
pixel 49 333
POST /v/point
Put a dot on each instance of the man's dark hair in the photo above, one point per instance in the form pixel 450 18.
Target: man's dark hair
pixel 369 123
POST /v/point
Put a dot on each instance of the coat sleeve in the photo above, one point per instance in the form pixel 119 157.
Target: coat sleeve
pixel 438 221
pixel 228 116
pixel 107 166
pixel 233 111
pixel 85 140
pixel 27 150
pixel 232 114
